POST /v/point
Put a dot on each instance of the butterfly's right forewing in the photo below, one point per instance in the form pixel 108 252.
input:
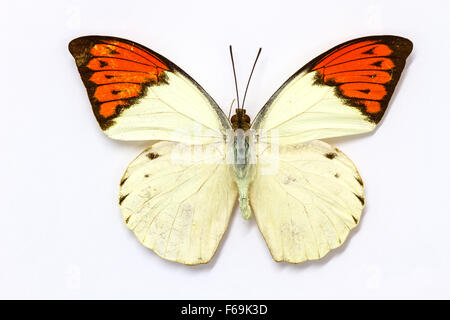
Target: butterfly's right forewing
pixel 342 92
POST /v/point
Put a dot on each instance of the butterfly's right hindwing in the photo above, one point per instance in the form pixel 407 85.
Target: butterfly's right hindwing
pixel 309 204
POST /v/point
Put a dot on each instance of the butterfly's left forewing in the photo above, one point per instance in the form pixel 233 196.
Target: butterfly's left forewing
pixel 137 94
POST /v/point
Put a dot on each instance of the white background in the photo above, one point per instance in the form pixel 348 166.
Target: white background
pixel 61 232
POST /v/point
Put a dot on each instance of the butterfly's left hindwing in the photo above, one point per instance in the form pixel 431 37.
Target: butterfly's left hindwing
pixel 178 199
pixel 344 91
pixel 136 94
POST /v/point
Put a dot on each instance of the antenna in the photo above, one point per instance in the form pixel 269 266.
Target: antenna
pixel 249 78
pixel 234 73
pixel 231 106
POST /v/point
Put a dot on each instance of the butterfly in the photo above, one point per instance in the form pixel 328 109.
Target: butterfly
pixel 178 195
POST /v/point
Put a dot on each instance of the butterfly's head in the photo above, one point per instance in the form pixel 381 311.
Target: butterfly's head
pixel 240 120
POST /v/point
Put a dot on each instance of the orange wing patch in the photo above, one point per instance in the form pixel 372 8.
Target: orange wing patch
pixel 364 71
pixel 116 73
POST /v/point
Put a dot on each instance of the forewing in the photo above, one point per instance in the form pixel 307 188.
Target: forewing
pixel 342 92
pixel 137 94
pixel 306 198
pixel 178 199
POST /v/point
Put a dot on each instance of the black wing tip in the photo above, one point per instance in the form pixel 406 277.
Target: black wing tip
pixel 405 44
pixel 73 46
pixel 78 44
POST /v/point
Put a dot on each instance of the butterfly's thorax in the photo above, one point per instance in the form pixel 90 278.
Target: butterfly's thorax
pixel 241 153
pixel 243 166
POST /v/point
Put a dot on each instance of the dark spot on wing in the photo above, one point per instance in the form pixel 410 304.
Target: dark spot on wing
pixel 103 63
pixel 370 51
pixel 354 219
pixel 122 198
pixel 378 63
pixel 146 176
pixel 152 155
pixel 359 181
pixel 331 155
pixel 360 198
pixel 123 181
pixel 127 219
pixel 337 175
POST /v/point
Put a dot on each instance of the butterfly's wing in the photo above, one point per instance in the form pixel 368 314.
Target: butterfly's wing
pixel 309 204
pixel 306 198
pixel 177 205
pixel 178 199
pixel 342 92
pixel 137 94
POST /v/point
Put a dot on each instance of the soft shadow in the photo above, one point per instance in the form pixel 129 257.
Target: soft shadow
pixel 346 139
pixel 133 144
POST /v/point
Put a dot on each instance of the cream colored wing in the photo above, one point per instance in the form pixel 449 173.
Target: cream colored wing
pixel 137 94
pixel 306 198
pixel 342 92
pixel 178 199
